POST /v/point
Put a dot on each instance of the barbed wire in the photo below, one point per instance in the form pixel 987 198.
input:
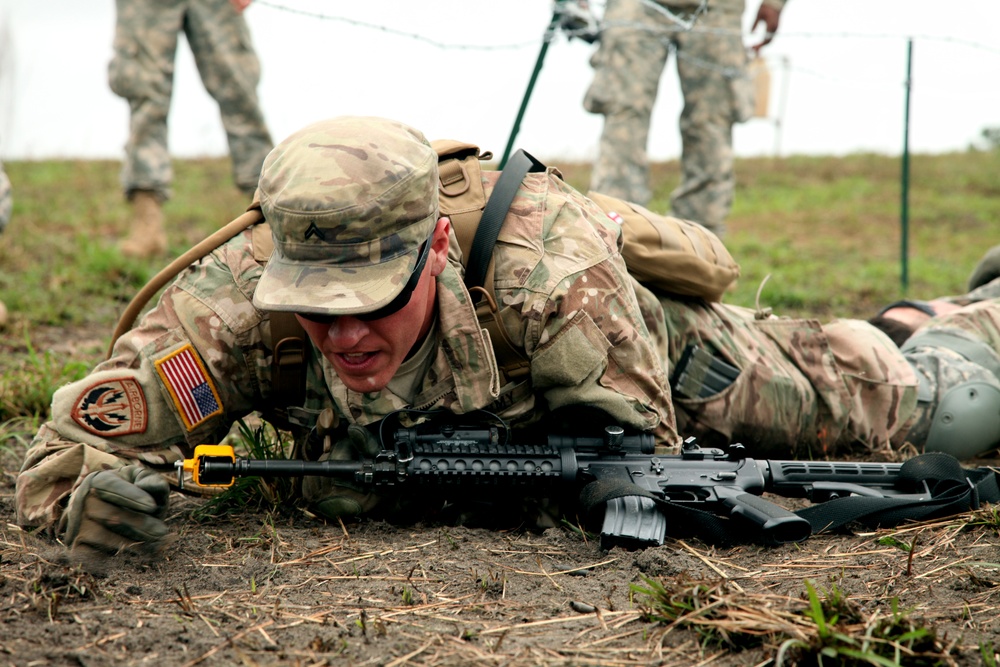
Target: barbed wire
pixel 391 31
pixel 681 24
pixel 921 37
pixel 687 23
pixel 399 33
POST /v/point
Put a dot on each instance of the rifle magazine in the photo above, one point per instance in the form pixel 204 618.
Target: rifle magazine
pixel 633 522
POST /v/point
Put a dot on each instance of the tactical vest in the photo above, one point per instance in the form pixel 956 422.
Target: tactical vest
pixel 664 253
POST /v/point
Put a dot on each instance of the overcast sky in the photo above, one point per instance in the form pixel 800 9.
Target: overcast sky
pixel 459 69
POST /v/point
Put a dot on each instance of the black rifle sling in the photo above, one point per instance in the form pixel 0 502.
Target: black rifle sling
pixel 953 490
pixel 478 260
pixel 481 254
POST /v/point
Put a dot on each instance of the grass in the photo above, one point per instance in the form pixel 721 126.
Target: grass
pixel 845 636
pixel 702 606
pixel 62 277
pixel 828 628
pixel 826 231
pixel 27 387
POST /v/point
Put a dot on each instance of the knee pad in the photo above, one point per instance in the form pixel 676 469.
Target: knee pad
pixel 966 421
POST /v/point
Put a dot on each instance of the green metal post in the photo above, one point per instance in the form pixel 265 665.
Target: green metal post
pixel 905 189
pixel 549 34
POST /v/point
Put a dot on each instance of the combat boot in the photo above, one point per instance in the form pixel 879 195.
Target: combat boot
pixel 146 237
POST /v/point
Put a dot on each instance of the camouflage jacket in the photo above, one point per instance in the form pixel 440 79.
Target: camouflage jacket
pixel 202 357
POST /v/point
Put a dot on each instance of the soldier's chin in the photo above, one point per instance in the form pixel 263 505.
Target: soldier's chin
pixel 370 375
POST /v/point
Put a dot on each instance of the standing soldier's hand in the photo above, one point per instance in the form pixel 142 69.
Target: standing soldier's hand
pixel 769 16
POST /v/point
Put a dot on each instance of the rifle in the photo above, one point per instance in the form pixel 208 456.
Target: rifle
pixel 701 491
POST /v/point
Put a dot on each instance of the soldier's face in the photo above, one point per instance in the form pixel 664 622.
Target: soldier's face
pixel 367 353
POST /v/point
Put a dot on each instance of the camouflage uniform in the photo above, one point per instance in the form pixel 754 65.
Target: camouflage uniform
pixel 941 368
pixel 142 72
pixel 711 63
pixel 804 389
pixel 985 292
pixel 812 390
pixel 566 303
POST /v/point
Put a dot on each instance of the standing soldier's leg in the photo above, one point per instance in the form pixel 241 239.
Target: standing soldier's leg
pixel 229 68
pixel 142 72
pixel 711 63
pixel 627 68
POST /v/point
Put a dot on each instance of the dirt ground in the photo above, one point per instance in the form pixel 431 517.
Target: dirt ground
pixel 282 588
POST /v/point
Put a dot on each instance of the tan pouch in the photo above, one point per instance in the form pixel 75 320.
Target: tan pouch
pixel 761 77
pixel 669 254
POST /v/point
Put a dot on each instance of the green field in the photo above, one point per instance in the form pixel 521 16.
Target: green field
pixel 826 230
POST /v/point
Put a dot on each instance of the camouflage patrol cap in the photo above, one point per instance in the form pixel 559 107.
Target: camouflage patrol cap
pixel 350 201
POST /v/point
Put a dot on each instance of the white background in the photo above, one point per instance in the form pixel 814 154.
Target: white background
pixel 838 77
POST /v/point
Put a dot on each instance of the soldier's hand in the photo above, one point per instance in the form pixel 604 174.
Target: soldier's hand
pixel 333 498
pixel 769 16
pixel 117 509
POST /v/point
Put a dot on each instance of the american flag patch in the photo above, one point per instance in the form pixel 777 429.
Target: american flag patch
pixel 190 386
pixel 616 218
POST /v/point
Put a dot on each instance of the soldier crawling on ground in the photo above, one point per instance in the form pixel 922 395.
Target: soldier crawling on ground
pixel 358 248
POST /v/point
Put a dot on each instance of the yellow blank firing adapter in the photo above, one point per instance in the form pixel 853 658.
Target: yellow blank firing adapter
pixel 213 457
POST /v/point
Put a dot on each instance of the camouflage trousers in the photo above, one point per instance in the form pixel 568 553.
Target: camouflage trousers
pixel 805 389
pixel 796 388
pixel 142 72
pixel 711 63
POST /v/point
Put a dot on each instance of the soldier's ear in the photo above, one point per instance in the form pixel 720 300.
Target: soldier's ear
pixel 439 245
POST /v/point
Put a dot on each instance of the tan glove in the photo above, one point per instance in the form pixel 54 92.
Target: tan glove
pixel 117 509
pixel 337 498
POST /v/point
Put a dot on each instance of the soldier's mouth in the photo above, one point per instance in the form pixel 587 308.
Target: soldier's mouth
pixel 356 360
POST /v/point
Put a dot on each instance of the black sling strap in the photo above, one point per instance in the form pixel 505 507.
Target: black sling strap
pixel 478 262
pixel 953 490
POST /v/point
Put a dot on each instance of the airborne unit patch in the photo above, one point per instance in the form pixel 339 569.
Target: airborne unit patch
pixel 112 408
pixel 190 386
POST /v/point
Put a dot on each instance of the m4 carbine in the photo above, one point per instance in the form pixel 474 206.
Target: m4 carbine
pixel 644 496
